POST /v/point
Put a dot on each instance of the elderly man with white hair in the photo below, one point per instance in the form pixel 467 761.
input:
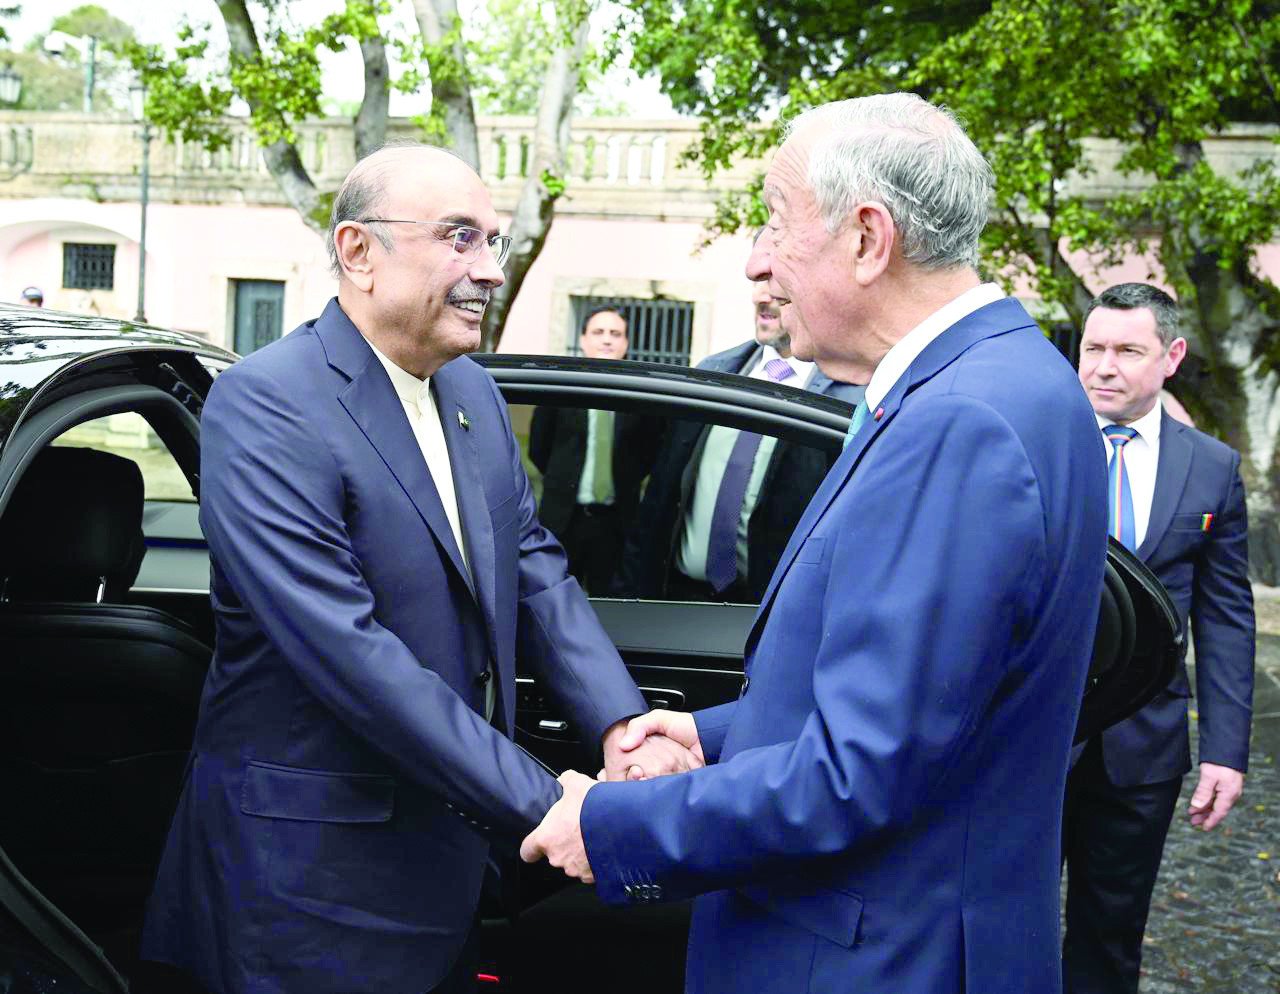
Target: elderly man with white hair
pixel 880 809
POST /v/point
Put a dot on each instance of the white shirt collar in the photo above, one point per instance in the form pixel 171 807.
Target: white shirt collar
pixel 899 358
pixel 1147 426
pixel 409 388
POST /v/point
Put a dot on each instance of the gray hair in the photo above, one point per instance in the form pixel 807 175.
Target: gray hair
pixel 1131 296
pixel 915 159
pixel 363 191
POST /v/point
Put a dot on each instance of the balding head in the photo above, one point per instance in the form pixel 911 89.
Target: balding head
pixel 364 191
pixel 415 239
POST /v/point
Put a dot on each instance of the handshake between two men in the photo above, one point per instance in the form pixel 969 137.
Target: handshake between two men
pixel 650 745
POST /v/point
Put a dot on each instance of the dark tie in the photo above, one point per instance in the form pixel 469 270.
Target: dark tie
pixel 859 416
pixel 722 547
pixel 1119 493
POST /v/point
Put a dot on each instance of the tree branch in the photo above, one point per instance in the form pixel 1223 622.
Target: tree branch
pixel 449 86
pixel 531 218
pixel 371 119
pixel 282 158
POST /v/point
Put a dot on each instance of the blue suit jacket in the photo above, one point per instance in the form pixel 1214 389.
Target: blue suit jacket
pixel 332 831
pixel 883 807
pixel 793 473
pixel 1207 574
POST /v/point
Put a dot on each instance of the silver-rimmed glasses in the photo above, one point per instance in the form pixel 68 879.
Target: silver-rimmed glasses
pixel 466 239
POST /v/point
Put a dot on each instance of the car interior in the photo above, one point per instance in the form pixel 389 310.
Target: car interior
pixel 106 634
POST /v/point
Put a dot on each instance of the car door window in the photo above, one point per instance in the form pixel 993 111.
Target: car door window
pixel 129 435
pixel 659 523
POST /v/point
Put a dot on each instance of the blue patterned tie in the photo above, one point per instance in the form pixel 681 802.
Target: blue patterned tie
pixel 1119 493
pixel 859 416
pixel 722 546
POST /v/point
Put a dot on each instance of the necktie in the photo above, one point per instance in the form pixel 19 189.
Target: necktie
pixel 722 547
pixel 1119 494
pixel 602 448
pixel 859 416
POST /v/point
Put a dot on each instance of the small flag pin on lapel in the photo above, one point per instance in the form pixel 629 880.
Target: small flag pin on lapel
pixel 1206 522
pixel 463 422
pixel 879 413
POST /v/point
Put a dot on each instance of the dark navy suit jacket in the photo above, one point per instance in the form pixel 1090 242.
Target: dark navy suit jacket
pixel 1206 572
pixel 882 809
pixel 793 474
pixel 332 832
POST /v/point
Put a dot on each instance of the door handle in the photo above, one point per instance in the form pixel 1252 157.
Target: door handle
pixel 548 725
pixel 664 698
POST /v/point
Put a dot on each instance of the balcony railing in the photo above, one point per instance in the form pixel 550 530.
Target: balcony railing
pixel 616 167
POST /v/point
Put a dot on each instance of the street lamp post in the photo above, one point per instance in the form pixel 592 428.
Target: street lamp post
pixel 10 86
pixel 138 103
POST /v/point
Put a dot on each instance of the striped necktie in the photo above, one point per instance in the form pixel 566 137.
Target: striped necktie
pixel 1119 493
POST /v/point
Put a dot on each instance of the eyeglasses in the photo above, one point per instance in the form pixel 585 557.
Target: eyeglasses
pixel 466 239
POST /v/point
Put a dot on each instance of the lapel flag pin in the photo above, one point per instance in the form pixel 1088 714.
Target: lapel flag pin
pixel 463 422
pixel 1206 520
pixel 879 413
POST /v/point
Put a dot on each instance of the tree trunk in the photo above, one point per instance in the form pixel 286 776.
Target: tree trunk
pixel 449 86
pixel 371 119
pixel 1230 382
pixel 531 218
pixel 282 158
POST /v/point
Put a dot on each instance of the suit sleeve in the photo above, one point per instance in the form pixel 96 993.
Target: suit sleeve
pixel 272 510
pixel 542 433
pixel 558 635
pixel 900 683
pixel 1222 624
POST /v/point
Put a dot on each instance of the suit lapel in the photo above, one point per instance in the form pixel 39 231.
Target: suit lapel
pixel 994 319
pixel 473 505
pixel 1172 472
pixel 371 401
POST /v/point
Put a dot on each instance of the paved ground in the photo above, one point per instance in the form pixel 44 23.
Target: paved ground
pixel 1215 917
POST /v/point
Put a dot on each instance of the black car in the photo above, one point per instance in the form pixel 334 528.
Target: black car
pixel 106 629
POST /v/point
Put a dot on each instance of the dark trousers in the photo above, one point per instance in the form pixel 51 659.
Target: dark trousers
pixel 461 979
pixel 593 544
pixel 1112 841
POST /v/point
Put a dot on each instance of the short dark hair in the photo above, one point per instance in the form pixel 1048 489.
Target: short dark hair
pixel 604 309
pixel 1131 296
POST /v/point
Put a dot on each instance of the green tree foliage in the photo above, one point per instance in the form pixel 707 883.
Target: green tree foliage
pixel 1045 87
pixel 92 21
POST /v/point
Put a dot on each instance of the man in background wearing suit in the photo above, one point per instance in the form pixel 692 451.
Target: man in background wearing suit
pixel 377 568
pixel 722 503
pixel 1176 499
pixel 881 808
pixel 592 465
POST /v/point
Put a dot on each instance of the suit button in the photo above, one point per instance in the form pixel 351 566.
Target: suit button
pixel 483 678
pixel 746 682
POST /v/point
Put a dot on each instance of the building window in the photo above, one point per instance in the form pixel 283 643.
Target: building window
pixel 88 266
pixel 259 313
pixel 657 330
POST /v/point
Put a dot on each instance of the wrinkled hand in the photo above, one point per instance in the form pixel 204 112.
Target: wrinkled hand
pixel 559 838
pixel 654 755
pixel 1219 788
pixel 676 725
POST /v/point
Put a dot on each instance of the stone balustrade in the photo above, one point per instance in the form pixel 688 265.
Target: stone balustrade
pixel 617 168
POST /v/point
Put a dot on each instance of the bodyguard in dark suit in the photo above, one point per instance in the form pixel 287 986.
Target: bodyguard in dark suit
pixel 1177 499
pixel 592 465
pixel 377 568
pixel 672 550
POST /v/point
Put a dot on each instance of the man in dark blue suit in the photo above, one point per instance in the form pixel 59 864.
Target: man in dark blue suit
pixel 881 808
pixel 1177 500
pixel 703 531
pixel 377 568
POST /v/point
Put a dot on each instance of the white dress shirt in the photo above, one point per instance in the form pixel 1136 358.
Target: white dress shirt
pixel 424 419
pixel 1141 457
pixel 899 358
